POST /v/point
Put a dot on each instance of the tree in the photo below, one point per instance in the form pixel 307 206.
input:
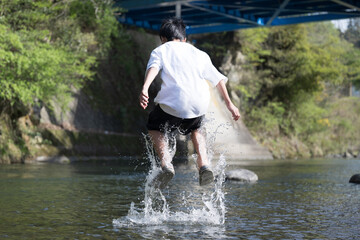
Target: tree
pixel 48 48
pixel 292 64
pixel 352 33
pixel 352 57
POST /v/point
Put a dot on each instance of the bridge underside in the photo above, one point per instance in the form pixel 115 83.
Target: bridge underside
pixel 225 15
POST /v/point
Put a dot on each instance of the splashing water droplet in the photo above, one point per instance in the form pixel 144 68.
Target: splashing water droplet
pixel 156 210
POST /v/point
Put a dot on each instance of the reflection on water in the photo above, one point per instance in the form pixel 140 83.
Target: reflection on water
pixel 307 199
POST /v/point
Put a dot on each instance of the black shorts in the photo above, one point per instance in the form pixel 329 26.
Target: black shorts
pixel 164 122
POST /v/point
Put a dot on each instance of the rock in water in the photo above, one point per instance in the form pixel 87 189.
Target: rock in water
pixel 355 178
pixel 242 175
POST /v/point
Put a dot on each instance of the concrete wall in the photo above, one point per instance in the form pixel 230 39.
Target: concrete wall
pixel 228 137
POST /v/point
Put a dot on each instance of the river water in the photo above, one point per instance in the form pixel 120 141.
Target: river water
pixel 295 199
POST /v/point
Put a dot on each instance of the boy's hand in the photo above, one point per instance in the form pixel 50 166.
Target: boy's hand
pixel 234 111
pixel 149 78
pixel 224 93
pixel 144 99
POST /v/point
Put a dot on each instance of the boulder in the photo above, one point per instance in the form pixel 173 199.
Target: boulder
pixel 355 153
pixel 347 155
pixel 355 178
pixel 57 159
pixel 242 175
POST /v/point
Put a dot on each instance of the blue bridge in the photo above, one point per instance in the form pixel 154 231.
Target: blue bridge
pixel 224 15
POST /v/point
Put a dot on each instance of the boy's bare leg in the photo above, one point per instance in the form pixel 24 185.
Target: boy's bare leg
pixel 206 176
pixel 161 147
pixel 199 141
pixel 162 150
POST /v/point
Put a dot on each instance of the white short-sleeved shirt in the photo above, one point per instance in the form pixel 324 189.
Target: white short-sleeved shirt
pixel 184 69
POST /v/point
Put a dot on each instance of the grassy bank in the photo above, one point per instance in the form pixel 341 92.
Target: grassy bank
pixel 335 133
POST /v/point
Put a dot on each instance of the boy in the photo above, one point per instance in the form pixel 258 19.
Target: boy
pixel 183 98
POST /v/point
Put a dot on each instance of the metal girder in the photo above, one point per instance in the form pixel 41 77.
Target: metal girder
pixel 346 4
pixel 313 18
pixel 277 12
pixel 222 12
pixel 203 16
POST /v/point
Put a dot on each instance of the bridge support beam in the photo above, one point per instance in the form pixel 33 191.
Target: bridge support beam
pixel 178 10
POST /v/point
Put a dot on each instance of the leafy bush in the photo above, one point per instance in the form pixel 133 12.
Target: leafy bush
pixel 48 48
pixel 267 120
pixel 32 68
pixel 288 96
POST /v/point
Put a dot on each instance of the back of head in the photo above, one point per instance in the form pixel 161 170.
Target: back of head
pixel 173 28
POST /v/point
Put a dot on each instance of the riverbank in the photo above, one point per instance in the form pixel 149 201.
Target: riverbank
pixel 50 143
pixel 46 142
pixel 336 135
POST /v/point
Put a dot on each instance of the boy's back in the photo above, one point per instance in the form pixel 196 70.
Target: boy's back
pixel 184 92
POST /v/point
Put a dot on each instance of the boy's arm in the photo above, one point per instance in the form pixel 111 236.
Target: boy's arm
pixel 224 93
pixel 149 78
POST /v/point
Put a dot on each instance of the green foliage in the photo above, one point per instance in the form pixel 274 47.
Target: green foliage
pixel 345 121
pixel 251 41
pixel 352 33
pixel 309 118
pixel 328 50
pixel 352 63
pixel 352 57
pixel 286 96
pixel 288 64
pixel 48 48
pixel 267 120
pixel 84 13
pixel 36 69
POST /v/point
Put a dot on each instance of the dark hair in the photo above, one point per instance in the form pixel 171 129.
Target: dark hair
pixel 173 28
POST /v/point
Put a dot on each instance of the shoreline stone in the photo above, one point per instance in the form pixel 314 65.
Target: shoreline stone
pixel 355 179
pixel 242 175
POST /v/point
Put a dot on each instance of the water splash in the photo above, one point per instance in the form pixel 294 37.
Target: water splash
pixel 209 211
